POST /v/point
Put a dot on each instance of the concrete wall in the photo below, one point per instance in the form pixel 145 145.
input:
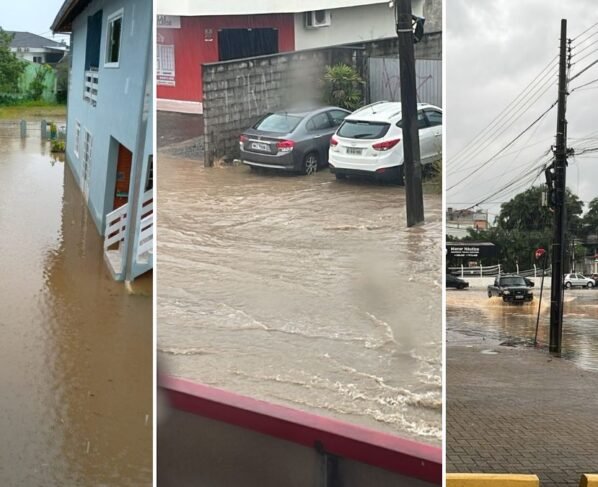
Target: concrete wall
pixel 119 102
pixel 237 93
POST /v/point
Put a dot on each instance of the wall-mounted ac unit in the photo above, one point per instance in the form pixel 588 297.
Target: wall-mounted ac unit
pixel 316 19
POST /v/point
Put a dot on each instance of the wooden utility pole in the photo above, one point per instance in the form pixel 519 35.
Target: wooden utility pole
pixel 412 168
pixel 560 209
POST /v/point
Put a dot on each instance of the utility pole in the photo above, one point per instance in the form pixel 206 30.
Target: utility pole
pixel 560 210
pixel 412 168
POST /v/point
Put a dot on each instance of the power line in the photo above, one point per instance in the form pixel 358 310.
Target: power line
pixel 587 30
pixel 506 110
pixel 508 123
pixel 505 147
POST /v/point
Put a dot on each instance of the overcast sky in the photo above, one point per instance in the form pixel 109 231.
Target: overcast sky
pixel 494 49
pixel 34 16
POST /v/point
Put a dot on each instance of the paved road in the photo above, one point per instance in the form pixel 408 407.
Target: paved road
pixel 520 411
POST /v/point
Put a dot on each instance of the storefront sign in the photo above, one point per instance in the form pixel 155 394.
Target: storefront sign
pixel 169 22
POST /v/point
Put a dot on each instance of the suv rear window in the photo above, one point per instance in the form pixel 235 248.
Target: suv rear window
pixel 278 122
pixel 355 129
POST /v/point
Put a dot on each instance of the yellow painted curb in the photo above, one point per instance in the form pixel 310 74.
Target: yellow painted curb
pixel 492 480
pixel 589 480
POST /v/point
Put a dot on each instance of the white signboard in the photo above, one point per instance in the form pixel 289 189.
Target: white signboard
pixel 165 70
pixel 169 22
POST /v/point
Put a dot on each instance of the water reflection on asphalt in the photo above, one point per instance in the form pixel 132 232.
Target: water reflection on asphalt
pixel 470 313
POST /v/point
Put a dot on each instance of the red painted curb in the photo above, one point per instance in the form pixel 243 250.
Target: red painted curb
pixel 383 450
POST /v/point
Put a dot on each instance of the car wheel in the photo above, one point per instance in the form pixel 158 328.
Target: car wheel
pixel 489 294
pixel 310 163
pixel 340 176
pixel 590 285
pixel 568 285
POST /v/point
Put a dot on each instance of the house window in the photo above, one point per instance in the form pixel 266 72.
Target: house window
pixel 165 65
pixel 113 36
pixel 86 158
pixel 38 59
pixel 77 135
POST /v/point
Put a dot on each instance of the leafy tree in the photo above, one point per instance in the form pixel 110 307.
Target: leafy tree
pixel 589 222
pixel 37 85
pixel 342 86
pixel 523 225
pixel 11 68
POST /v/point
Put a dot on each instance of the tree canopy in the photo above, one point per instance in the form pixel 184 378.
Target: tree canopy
pixel 11 67
pixel 524 224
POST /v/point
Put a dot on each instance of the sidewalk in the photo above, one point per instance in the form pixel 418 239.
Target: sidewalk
pixel 520 411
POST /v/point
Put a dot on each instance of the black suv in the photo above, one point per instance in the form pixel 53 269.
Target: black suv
pixel 512 289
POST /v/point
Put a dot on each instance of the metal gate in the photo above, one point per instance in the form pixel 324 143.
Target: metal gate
pixel 385 80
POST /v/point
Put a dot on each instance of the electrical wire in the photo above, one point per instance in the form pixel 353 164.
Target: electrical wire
pixel 488 161
pixel 537 79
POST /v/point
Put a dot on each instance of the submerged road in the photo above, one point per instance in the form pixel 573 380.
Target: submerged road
pixel 76 348
pixel 303 291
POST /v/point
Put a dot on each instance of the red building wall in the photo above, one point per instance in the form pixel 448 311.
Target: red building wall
pixel 196 42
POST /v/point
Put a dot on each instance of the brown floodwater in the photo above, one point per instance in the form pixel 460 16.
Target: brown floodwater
pixel 303 291
pixel 470 313
pixel 76 348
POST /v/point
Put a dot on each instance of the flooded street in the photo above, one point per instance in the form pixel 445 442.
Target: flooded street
pixel 471 313
pixel 76 350
pixel 303 291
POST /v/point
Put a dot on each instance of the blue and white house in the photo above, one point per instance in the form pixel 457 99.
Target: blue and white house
pixel 109 138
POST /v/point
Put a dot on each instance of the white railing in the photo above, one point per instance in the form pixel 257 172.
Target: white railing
pixel 90 93
pixel 116 230
pixel 116 226
pixel 145 245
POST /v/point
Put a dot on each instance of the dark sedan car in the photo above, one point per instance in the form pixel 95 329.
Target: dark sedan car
pixel 294 140
pixel 452 281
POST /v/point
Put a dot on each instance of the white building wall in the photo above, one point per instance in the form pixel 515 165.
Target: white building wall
pixel 347 25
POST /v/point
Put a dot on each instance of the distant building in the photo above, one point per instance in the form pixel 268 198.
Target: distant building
pixel 109 135
pixel 37 49
pixel 195 32
pixel 458 222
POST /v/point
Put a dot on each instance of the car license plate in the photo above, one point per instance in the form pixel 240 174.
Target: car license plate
pixel 260 146
pixel 518 297
pixel 354 151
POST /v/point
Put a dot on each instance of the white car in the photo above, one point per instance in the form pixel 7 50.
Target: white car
pixel 368 142
pixel 578 280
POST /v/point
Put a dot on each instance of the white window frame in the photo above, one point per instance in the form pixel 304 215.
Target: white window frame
pixel 119 14
pixel 165 57
pixel 77 137
pixel 86 169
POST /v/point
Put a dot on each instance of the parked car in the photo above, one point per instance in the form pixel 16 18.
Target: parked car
pixel 578 280
pixel 368 142
pixel 294 140
pixel 452 281
pixel 511 288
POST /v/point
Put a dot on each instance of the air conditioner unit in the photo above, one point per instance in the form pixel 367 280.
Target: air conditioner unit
pixel 317 18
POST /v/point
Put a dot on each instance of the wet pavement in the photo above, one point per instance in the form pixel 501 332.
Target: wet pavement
pixel 303 291
pixel 76 350
pixel 470 314
pixel 512 408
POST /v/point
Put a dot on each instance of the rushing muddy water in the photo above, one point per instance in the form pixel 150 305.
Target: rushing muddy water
pixel 76 348
pixel 302 290
pixel 472 313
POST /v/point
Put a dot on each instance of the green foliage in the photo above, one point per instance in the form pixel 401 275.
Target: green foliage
pixel 589 223
pixel 37 85
pixel 523 225
pixel 11 68
pixel 433 176
pixel 58 146
pixel 343 86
